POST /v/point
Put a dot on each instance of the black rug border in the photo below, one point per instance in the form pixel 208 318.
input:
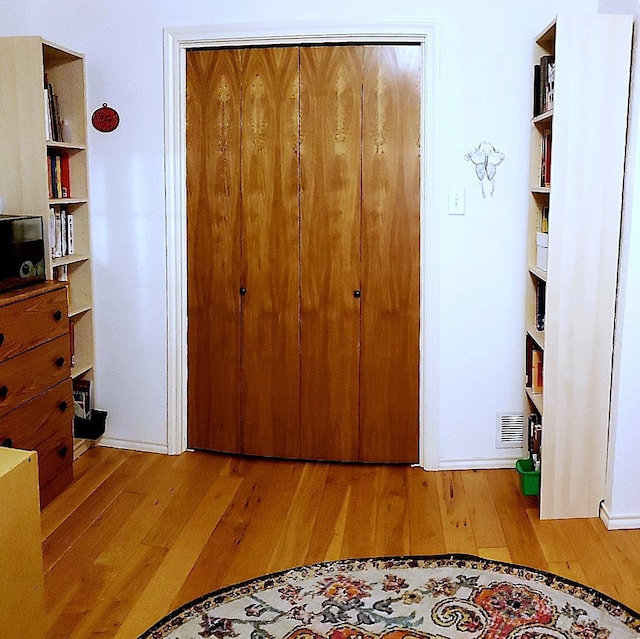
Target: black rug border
pixel 449 556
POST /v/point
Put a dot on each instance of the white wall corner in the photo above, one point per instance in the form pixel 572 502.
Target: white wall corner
pixel 623 467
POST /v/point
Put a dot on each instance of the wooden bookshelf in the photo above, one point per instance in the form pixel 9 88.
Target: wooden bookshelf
pixel 583 199
pixel 24 183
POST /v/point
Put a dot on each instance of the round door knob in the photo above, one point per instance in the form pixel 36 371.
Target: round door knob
pixel 357 294
pixel 4 391
pixel 60 362
pixel 57 315
pixel 63 451
pixel 243 291
pixel 63 406
pixel 8 443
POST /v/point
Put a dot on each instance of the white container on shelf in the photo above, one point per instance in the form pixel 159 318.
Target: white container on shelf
pixel 542 250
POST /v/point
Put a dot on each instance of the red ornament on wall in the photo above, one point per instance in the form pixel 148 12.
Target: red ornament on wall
pixel 105 119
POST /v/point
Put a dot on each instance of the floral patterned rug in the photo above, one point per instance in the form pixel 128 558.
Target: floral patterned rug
pixel 444 597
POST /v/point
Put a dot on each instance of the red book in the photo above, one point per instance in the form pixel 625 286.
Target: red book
pixel 64 176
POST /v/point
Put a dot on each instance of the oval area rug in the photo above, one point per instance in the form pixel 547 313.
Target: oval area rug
pixel 442 597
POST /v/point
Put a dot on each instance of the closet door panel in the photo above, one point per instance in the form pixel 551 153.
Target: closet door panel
pixel 389 424
pixel 270 308
pixel 213 249
pixel 331 81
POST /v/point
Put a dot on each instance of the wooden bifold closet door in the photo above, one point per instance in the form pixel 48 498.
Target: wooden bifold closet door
pixel 303 251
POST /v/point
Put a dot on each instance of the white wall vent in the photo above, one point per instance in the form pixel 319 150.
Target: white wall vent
pixel 510 431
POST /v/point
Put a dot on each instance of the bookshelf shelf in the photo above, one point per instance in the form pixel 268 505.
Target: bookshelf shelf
pixel 577 164
pixel 536 399
pixel 539 273
pixel 543 118
pixel 69 259
pixel 43 108
pixel 546 39
pixel 67 201
pixel 68 146
pixel 78 310
pixel 81 369
pixel 536 335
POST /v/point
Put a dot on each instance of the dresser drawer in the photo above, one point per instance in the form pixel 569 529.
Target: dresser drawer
pixel 45 424
pixel 29 322
pixel 31 373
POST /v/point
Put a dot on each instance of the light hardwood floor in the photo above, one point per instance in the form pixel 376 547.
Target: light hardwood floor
pixel 138 534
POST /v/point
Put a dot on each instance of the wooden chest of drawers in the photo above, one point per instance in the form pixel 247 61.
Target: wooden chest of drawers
pixel 36 400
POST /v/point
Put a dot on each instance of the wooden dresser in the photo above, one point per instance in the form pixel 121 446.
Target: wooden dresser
pixel 36 400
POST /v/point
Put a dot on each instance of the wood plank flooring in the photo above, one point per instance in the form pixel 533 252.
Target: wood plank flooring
pixel 138 534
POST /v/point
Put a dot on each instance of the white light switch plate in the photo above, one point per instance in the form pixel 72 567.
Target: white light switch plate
pixel 456 201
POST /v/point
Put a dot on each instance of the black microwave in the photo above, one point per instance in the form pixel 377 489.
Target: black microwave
pixel 21 251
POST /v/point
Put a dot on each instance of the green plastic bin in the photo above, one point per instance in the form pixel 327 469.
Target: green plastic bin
pixel 529 478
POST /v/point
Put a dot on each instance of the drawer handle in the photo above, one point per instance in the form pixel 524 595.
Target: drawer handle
pixel 63 451
pixel 63 406
pixel 60 362
pixel 1 339
pixel 4 391
pixel 57 315
pixel 8 443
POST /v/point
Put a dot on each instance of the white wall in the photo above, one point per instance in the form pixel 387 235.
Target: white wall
pixel 622 503
pixel 14 19
pixel 485 94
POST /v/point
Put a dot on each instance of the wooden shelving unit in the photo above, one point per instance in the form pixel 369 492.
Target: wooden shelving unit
pixel 24 186
pixel 588 122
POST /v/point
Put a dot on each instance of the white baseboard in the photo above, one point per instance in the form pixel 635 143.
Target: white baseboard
pixel 478 464
pixel 445 464
pixel 618 522
pixel 131 444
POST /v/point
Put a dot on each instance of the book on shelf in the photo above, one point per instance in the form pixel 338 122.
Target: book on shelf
pixel 549 82
pixel 545 158
pixel 61 238
pixel 61 273
pixel 48 133
pixel 71 249
pixel 59 180
pixel 544 219
pixel 537 365
pixel 541 294
pixel 534 439
pixel 54 239
pixel 537 100
pixel 543 85
pixel 82 398
pixel 53 118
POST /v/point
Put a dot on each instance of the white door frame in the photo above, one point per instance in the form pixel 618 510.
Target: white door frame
pixel 177 41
